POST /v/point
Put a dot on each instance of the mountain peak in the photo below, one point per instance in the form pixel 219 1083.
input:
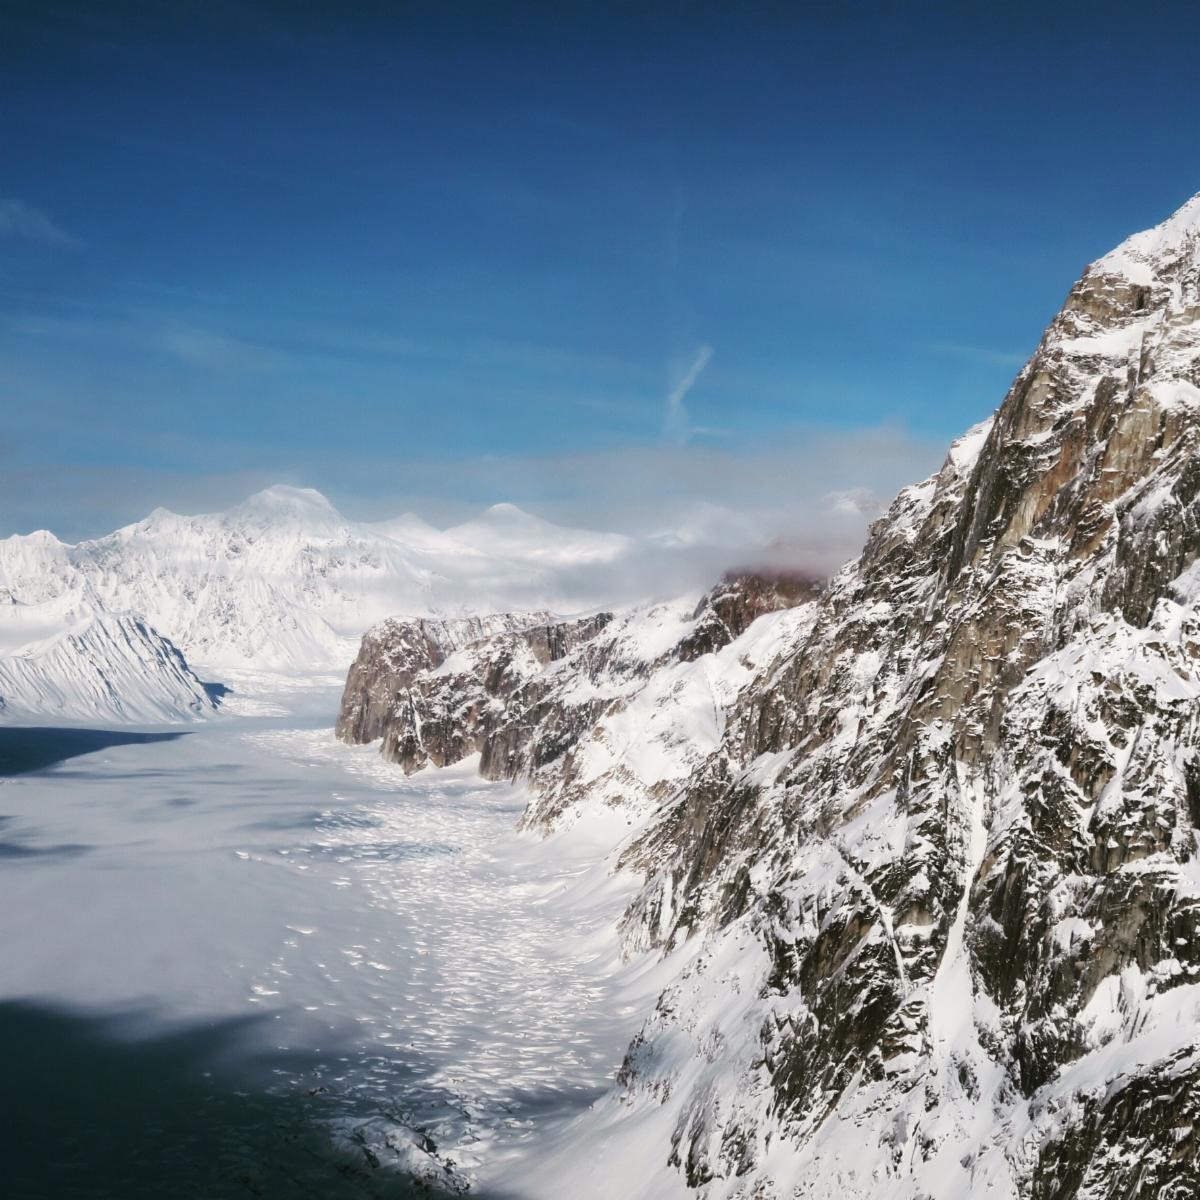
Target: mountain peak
pixel 282 502
pixel 510 512
pixel 1137 255
pixel 36 537
pixel 283 495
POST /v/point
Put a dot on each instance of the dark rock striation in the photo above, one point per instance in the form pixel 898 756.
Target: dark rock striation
pixel 392 655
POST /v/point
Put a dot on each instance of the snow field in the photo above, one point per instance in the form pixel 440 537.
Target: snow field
pixel 396 944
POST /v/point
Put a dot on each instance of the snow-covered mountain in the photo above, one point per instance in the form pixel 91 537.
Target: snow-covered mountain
pixel 70 658
pixel 926 846
pixel 283 581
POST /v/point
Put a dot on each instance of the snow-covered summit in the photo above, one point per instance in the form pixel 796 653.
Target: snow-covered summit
pixel 1140 256
pixel 279 508
pixel 305 507
pixel 410 529
pixel 284 581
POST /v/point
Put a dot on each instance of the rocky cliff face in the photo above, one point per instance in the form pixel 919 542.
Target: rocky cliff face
pixel 396 651
pixel 934 861
pixel 536 697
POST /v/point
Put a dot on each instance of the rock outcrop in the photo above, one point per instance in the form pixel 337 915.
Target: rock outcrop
pixel 932 866
pixel 396 651
pixel 539 698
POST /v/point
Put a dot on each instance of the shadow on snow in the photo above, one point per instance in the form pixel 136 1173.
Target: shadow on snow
pixel 92 1109
pixel 35 748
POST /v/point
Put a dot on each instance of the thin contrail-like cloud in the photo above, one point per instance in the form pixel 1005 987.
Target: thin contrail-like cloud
pixel 24 221
pixel 677 424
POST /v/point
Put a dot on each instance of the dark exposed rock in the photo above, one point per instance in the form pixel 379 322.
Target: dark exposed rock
pixel 439 691
pixel 392 655
pixel 981 787
pixel 486 701
pixel 726 612
pixel 1141 1139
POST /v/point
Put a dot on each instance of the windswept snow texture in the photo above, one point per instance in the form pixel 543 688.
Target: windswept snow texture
pixel 68 658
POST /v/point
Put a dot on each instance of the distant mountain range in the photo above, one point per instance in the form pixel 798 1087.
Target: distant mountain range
pixel 283 582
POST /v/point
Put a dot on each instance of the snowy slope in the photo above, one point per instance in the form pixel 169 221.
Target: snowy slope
pixel 933 846
pixel 611 710
pixel 69 658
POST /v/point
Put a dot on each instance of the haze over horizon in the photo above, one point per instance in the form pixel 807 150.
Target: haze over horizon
pixel 601 263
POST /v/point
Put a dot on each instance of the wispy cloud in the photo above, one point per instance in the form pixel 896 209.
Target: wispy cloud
pixel 142 329
pixel 979 354
pixel 677 424
pixel 203 348
pixel 21 220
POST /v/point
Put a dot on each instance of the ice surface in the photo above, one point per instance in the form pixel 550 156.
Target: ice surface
pixel 393 942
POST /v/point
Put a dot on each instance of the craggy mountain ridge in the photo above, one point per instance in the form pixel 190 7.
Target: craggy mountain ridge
pixel 561 702
pixel 281 583
pixel 284 583
pixel 924 845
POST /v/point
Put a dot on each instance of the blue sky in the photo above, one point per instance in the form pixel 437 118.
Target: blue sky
pixel 436 256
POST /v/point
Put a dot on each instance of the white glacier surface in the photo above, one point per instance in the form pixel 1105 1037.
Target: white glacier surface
pixel 391 951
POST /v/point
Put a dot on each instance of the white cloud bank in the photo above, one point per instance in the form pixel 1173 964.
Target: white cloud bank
pixel 804 501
